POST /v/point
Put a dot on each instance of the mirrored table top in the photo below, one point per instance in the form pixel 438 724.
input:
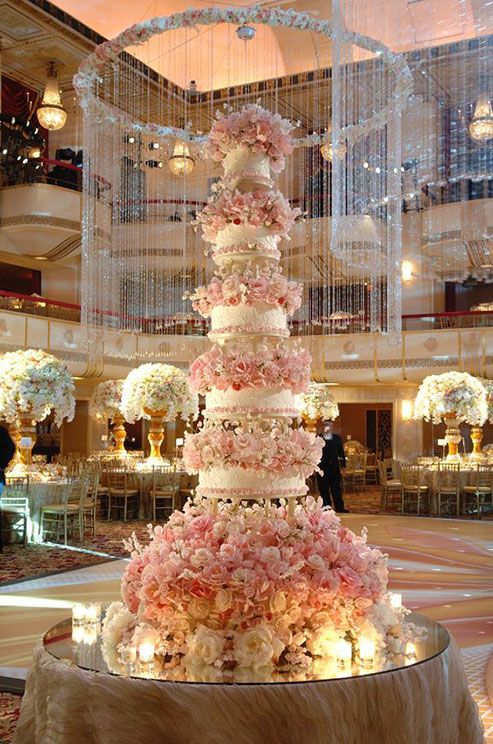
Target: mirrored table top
pixel 82 646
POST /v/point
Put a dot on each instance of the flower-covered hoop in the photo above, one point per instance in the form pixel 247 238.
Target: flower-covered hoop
pixel 89 71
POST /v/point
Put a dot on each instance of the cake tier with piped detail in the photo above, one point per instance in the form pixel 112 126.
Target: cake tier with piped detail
pixel 247 447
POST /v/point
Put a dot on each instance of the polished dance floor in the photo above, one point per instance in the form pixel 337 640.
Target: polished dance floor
pixel 442 567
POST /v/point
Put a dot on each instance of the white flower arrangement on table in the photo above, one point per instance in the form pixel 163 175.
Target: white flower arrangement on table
pixel 457 393
pixel 35 383
pixel 488 386
pixel 157 387
pixel 318 403
pixel 106 401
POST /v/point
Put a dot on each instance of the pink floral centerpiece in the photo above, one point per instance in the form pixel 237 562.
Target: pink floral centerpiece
pixel 238 369
pixel 242 588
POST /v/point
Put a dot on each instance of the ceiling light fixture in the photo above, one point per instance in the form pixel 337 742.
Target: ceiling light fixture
pixel 181 162
pixel 481 124
pixel 51 113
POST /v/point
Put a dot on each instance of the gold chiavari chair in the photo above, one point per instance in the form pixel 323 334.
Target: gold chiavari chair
pixel 359 470
pixel 414 489
pixel 165 488
pixel 68 512
pixel 448 487
pixel 391 488
pixel 480 492
pixel 122 489
pixel 371 468
pixel 348 473
pixel 14 503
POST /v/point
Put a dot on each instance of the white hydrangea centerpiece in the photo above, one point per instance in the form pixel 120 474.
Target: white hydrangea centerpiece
pixel 454 397
pixel 32 385
pixel 158 392
pixel 317 403
pixel 106 401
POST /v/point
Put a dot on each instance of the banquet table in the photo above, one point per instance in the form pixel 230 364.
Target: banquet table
pixel 39 494
pixel 72 697
pixel 467 475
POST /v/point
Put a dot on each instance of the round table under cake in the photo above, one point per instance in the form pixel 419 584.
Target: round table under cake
pixel 72 698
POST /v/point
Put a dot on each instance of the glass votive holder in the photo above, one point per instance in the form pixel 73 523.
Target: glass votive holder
pixel 93 613
pixel 90 635
pixel 78 631
pixel 410 653
pixel 343 654
pixel 146 652
pixel 366 652
pixel 128 656
pixel 396 600
pixel 78 614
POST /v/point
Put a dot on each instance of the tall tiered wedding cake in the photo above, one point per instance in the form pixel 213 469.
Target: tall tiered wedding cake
pixel 253 573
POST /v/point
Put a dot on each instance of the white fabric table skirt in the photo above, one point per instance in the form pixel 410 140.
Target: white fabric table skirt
pixel 39 495
pixel 428 703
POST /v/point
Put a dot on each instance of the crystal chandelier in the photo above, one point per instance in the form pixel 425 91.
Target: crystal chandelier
pixel 327 150
pixel 481 125
pixel 51 113
pixel 181 162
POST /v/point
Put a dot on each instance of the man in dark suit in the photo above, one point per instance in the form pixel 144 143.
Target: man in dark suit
pixel 329 484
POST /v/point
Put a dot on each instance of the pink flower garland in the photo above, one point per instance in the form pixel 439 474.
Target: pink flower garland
pixel 269 286
pixel 268 209
pixel 294 453
pixel 239 369
pixel 259 130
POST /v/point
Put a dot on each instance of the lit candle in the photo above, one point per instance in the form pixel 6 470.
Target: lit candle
pixel 146 652
pixel 396 600
pixel 410 649
pixel 366 651
pixel 343 652
pixel 93 613
pixel 78 633
pixel 90 634
pixel 78 614
pixel 128 655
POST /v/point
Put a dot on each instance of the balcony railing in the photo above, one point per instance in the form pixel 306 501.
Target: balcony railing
pixel 442 321
pixel 188 324
pixel 35 305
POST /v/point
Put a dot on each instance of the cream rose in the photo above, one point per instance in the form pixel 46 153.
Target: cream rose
pixel 277 603
pixel 321 642
pixel 223 600
pixel 257 647
pixel 199 608
pixel 205 646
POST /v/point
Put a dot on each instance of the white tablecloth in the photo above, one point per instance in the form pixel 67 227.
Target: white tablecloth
pixel 39 495
pixel 428 703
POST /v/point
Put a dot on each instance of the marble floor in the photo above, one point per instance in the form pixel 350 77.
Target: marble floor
pixel 443 568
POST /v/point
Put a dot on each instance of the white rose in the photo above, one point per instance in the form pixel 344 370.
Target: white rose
pixel 316 562
pixel 205 646
pixel 199 608
pixel 257 647
pixel 321 641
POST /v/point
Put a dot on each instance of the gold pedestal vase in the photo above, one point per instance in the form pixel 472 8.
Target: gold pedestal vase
pixel 119 434
pixel 156 435
pixel 453 437
pixel 476 438
pixel 311 424
pixel 26 438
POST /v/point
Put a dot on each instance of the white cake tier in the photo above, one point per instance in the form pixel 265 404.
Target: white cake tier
pixel 232 482
pixel 260 319
pixel 256 402
pixel 247 170
pixel 236 235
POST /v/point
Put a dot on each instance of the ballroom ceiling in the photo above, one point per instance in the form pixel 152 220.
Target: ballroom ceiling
pixel 31 35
